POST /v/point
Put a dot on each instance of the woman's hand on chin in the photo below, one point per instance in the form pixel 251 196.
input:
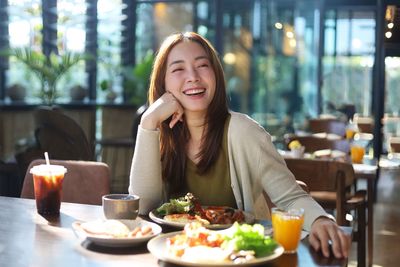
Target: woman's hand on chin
pixel 163 108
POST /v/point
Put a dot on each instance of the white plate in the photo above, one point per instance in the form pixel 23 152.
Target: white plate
pixel 158 247
pixel 248 218
pixel 118 242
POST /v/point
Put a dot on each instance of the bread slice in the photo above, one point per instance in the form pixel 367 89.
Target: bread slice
pixel 111 228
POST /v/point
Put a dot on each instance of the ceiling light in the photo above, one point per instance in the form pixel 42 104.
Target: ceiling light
pixel 388 34
pixel 230 58
pixel 278 25
pixel 390 25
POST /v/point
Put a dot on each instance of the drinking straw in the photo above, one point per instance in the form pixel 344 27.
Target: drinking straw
pixel 46 156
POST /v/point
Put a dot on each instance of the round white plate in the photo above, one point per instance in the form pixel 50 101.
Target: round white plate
pixel 248 218
pixel 158 247
pixel 118 242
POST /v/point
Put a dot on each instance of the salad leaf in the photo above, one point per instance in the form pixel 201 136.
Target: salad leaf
pixel 249 237
pixel 177 205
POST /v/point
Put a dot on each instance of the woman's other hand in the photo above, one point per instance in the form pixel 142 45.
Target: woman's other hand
pixel 163 108
pixel 325 233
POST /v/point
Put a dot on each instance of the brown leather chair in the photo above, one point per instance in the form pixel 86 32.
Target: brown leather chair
pixel 364 124
pixel 330 184
pixel 394 143
pixel 313 143
pixel 334 126
pixel 85 181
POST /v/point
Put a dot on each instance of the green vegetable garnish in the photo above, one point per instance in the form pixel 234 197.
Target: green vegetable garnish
pixel 249 237
pixel 178 205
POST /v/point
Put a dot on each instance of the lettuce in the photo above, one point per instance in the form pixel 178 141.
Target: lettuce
pixel 178 205
pixel 249 237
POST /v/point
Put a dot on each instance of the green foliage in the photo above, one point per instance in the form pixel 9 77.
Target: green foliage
pixel 137 79
pixel 48 69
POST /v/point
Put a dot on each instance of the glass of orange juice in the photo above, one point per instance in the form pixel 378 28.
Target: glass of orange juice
pixel 287 227
pixel 350 133
pixel 357 153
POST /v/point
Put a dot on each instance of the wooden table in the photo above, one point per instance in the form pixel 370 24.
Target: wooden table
pixel 368 172
pixel 28 239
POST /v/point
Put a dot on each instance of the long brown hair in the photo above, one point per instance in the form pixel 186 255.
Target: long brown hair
pixel 173 141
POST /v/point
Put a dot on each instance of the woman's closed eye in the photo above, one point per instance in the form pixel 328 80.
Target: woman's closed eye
pixel 205 65
pixel 176 70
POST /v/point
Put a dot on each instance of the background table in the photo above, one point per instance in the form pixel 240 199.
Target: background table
pixel 28 239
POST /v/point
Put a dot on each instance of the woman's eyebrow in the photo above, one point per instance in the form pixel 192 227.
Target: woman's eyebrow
pixel 181 61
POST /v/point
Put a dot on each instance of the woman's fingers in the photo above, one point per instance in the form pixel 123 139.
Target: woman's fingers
pixel 176 117
pixel 326 235
pixel 335 241
pixel 345 240
pixel 324 239
pixel 163 108
pixel 314 241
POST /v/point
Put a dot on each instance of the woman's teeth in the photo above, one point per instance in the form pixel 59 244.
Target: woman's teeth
pixel 194 92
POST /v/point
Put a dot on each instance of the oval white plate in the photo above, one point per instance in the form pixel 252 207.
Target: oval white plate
pixel 158 247
pixel 248 218
pixel 118 242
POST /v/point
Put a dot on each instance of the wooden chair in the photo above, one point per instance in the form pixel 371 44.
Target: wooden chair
pixel 364 124
pixel 320 125
pixel 394 143
pixel 313 143
pixel 330 184
pixel 61 136
pixel 85 181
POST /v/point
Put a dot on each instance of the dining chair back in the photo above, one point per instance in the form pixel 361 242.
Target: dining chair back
pixel 322 125
pixel 364 124
pixel 394 143
pixel 85 181
pixel 61 136
pixel 331 184
pixel 313 143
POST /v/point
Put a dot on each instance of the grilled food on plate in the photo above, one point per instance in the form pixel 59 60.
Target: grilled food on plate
pixel 188 209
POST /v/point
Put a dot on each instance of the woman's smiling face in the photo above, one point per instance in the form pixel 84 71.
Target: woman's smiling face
pixel 190 76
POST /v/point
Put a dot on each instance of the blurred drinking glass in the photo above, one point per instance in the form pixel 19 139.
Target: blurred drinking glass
pixel 357 153
pixel 47 181
pixel 287 227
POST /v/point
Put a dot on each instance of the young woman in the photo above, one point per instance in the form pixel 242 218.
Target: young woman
pixel 188 141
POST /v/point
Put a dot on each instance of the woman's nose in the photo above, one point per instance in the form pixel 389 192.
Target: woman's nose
pixel 193 75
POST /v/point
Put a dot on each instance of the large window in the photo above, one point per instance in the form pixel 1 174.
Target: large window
pixel 270 53
pixel 269 48
pixel 348 60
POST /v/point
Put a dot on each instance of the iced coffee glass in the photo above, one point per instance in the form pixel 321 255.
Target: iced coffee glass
pixel 47 181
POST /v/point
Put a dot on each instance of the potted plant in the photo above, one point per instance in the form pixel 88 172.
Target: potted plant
pixel 48 69
pixel 137 79
pixel 107 86
pixel 78 92
pixel 16 92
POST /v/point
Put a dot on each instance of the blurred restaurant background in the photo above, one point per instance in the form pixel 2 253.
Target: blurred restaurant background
pixel 286 61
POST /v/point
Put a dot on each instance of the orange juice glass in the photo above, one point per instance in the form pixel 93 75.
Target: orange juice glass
pixel 357 154
pixel 350 133
pixel 47 182
pixel 287 227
